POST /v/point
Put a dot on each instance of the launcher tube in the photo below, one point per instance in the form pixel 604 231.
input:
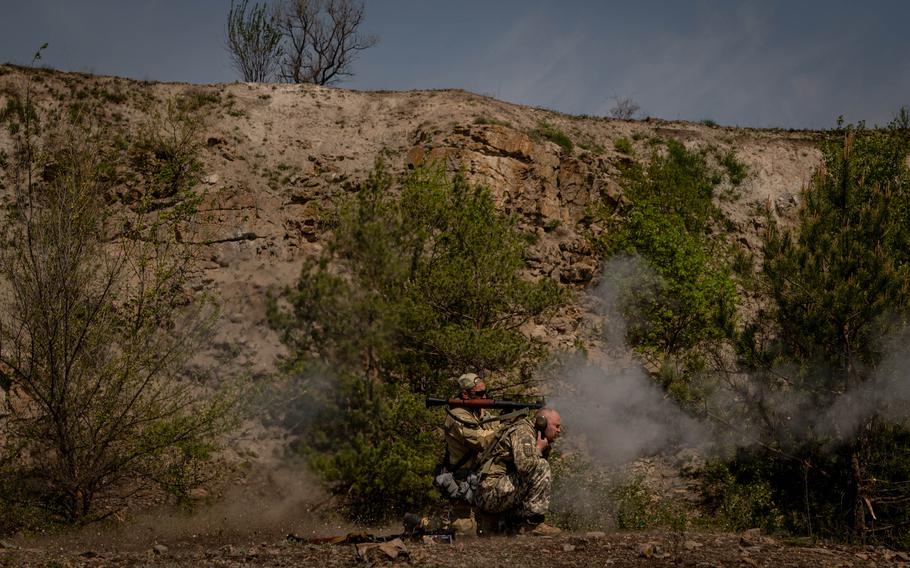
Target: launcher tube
pixel 482 403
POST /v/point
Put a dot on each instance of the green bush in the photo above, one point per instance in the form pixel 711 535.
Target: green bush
pixel 549 132
pixel 379 447
pixel 623 145
pixel 670 221
pixel 582 498
pixel 736 170
pixel 738 503
pixel 100 408
pixel 414 287
pixel 165 151
pixel 638 508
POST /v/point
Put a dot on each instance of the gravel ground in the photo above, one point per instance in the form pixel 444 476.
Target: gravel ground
pixel 591 549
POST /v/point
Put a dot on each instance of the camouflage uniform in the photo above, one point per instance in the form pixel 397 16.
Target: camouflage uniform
pixel 466 437
pixel 515 477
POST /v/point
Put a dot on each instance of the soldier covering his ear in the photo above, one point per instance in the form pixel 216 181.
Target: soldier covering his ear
pixel 514 478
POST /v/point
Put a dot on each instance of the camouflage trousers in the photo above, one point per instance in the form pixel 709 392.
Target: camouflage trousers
pixel 523 496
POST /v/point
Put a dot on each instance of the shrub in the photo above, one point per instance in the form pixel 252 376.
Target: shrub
pixel 837 282
pixel 736 170
pixel 638 508
pixel 582 494
pixel 669 220
pixel 413 288
pixel 483 119
pixel 548 132
pixel 165 151
pixel 738 503
pixel 592 146
pixel 623 145
pixel 624 108
pixel 95 331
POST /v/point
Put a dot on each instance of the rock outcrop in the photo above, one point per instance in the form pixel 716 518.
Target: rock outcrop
pixel 275 157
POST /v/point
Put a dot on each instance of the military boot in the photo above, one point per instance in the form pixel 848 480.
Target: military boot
pixel 535 526
pixel 543 529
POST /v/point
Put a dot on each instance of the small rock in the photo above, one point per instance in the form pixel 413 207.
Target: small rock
pixel 577 273
pixel 650 550
pixel 160 549
pixel 751 534
pixel 595 534
pixel 580 542
pixel 568 547
pixel 750 537
pixel 5 544
pixel 416 157
pixel 375 552
pixel 862 555
pixel 210 179
pixel 820 551
pixel 199 493
pixel 464 527
pixel 692 545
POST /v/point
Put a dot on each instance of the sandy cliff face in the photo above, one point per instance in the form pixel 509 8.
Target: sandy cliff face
pixel 276 155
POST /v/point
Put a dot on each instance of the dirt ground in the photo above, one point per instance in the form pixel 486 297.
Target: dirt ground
pixel 588 549
pixel 248 525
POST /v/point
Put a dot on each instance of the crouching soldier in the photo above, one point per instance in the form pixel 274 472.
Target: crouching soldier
pixel 514 480
pixel 468 432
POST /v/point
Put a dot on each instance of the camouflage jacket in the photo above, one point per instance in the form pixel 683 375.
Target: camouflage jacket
pixel 514 451
pixel 466 434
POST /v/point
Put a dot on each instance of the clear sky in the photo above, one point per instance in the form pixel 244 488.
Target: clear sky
pixel 796 63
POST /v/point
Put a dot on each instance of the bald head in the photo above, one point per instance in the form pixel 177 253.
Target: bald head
pixel 554 423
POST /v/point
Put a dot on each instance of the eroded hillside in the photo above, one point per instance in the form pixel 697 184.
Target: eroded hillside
pixel 275 156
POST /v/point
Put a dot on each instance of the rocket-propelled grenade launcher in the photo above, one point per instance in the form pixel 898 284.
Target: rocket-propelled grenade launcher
pixel 484 403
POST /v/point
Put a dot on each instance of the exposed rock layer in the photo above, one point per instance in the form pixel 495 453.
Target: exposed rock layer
pixel 275 156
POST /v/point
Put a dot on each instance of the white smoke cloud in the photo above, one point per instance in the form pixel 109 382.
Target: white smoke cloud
pixel 617 414
pixel 612 408
pixel 885 394
pixel 771 404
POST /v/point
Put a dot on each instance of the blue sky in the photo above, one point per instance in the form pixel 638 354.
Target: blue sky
pixel 797 64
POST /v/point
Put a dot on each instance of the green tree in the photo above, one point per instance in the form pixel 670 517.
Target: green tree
pixel 669 219
pixel 95 328
pixel 414 286
pixel 841 283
